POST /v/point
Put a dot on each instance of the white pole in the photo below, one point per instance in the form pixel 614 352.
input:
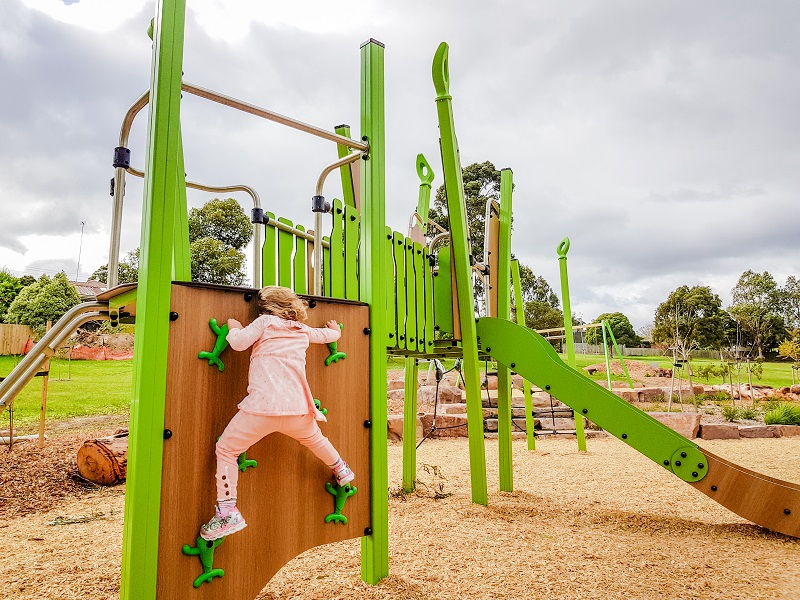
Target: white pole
pixel 80 248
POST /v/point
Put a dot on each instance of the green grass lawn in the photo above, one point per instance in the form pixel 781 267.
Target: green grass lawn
pixel 76 388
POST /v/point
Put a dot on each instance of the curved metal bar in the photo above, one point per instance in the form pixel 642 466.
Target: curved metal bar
pixel 437 240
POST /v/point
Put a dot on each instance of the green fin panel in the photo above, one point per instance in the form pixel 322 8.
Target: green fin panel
pixel 419 300
pixel 269 258
pixel 337 251
pixel 352 224
pixel 428 282
pixel 326 267
pixel 443 293
pixel 346 171
pixel 300 263
pixel 391 291
pixel 411 298
pixel 399 252
pixel 534 359
pixel 285 249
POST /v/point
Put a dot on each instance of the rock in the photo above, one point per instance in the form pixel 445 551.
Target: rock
pixel 396 384
pixel 795 389
pixel 447 394
pixel 396 428
pixel 628 395
pixel 687 424
pixel 490 425
pixel 459 408
pixel 491 382
pixel 396 394
pixel 516 381
pixel 719 431
pixel 759 431
pixel 651 394
pixel 789 430
pixel 446 425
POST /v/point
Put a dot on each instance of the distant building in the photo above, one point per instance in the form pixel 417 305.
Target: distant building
pixel 88 290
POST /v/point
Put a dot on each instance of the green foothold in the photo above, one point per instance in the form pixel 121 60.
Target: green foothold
pixel 220 345
pixel 333 349
pixel 245 463
pixel 318 404
pixel 205 550
pixel 340 493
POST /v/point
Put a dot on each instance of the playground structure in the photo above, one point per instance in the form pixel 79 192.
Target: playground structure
pixel 394 294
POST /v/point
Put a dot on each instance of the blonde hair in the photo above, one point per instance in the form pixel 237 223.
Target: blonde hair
pixel 281 302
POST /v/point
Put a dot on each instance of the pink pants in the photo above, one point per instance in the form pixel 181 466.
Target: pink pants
pixel 245 429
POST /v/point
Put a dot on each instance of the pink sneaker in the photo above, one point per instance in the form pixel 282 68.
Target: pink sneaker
pixel 343 474
pixel 220 526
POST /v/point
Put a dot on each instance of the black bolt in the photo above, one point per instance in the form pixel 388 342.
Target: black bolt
pixel 312 303
pixel 209 543
pixel 700 465
pixel 410 339
pixel 248 297
pixel 391 335
pixel 338 211
pixel 677 463
pixel 402 337
pixel 365 156
pixel 167 434
pixel 625 437
pixel 666 463
pixel 585 411
pixel 367 530
pixel 694 474
pixel 367 330
pixel 388 236
pixel 713 488
pixel 488 349
pixel 547 387
pixel 173 316
pixel 513 365
pixel 683 454
pixel 364 138
pixel 367 424
pixel 399 242
pixel 352 217
pixel 786 511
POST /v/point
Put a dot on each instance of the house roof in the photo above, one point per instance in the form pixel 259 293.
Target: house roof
pixel 88 290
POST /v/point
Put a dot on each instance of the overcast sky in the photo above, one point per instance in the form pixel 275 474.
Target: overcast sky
pixel 662 137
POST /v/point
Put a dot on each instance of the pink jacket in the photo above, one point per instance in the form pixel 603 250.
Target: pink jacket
pixel 277 383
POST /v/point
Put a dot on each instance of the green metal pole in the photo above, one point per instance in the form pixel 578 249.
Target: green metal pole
pixel 605 351
pixel 163 172
pixel 562 250
pixel 373 284
pixel 504 423
pixel 410 425
pixel 454 187
pixel 619 353
pixel 530 422
pixel 346 171
pixel 425 174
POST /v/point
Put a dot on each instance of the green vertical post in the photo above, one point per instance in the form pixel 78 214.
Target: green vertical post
pixel 530 422
pixel 603 326
pixel 619 353
pixel 346 171
pixel 374 282
pixel 269 253
pixel 410 425
pixel 504 423
pixel 562 250
pixel 163 172
pixel 425 174
pixel 181 256
pixel 454 187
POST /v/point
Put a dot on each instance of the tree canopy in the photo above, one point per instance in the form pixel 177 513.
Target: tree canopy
pixel 10 287
pixel 44 300
pixel 755 302
pixel 541 315
pixel 128 271
pixel 222 220
pixel 690 318
pixel 621 328
pixel 535 288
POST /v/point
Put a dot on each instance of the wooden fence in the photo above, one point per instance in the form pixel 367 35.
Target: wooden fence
pixel 13 338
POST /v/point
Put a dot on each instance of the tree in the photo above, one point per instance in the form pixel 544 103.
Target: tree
pixel 45 300
pixel 535 288
pixel 789 306
pixel 10 286
pixel 540 315
pixel 754 307
pixel 214 262
pixel 127 271
pixel 790 348
pixel 620 326
pixel 689 318
pixel 222 220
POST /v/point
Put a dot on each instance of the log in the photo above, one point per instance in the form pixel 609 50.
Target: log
pixel 104 461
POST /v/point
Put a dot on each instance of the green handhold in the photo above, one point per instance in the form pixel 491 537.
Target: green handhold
pixel 318 404
pixel 333 349
pixel 245 463
pixel 219 345
pixel 340 493
pixel 205 550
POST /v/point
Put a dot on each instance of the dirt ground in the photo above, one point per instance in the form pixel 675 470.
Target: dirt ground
pixel 607 523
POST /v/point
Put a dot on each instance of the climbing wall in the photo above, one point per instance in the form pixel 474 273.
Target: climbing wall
pixel 283 499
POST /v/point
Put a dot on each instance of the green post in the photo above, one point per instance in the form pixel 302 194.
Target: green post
pixel 619 353
pixel 425 174
pixel 410 425
pixel 562 250
pixel 373 286
pixel 346 171
pixel 454 187
pixel 181 255
pixel 504 422
pixel 603 325
pixel 530 422
pixel 162 190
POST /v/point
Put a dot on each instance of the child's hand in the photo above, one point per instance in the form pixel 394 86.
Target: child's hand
pixel 234 324
pixel 332 324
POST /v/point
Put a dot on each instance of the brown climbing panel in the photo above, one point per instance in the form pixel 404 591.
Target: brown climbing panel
pixel 283 499
pixel 493 246
pixel 769 502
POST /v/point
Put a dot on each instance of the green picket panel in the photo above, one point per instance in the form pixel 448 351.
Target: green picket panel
pixel 326 267
pixel 419 300
pixel 391 291
pixel 411 298
pixel 399 253
pixel 269 253
pixel 337 252
pixel 443 294
pixel 352 225
pixel 285 249
pixel 428 291
pixel 300 263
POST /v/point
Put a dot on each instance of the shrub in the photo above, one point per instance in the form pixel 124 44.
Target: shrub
pixel 750 413
pixel 782 413
pixel 731 413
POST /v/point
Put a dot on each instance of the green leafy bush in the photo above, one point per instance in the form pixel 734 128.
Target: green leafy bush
pixel 783 413
pixel 750 413
pixel 731 413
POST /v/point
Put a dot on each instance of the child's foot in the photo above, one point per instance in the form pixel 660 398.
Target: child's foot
pixel 343 473
pixel 220 526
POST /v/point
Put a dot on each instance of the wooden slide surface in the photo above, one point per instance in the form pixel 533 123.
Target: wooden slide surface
pixel 766 501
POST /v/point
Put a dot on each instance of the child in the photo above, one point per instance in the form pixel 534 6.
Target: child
pixel 278 397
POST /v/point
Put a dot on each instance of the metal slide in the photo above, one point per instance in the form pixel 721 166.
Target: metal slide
pixel 26 370
pixel 766 501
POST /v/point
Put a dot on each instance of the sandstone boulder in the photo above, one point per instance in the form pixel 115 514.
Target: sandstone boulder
pixel 687 424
